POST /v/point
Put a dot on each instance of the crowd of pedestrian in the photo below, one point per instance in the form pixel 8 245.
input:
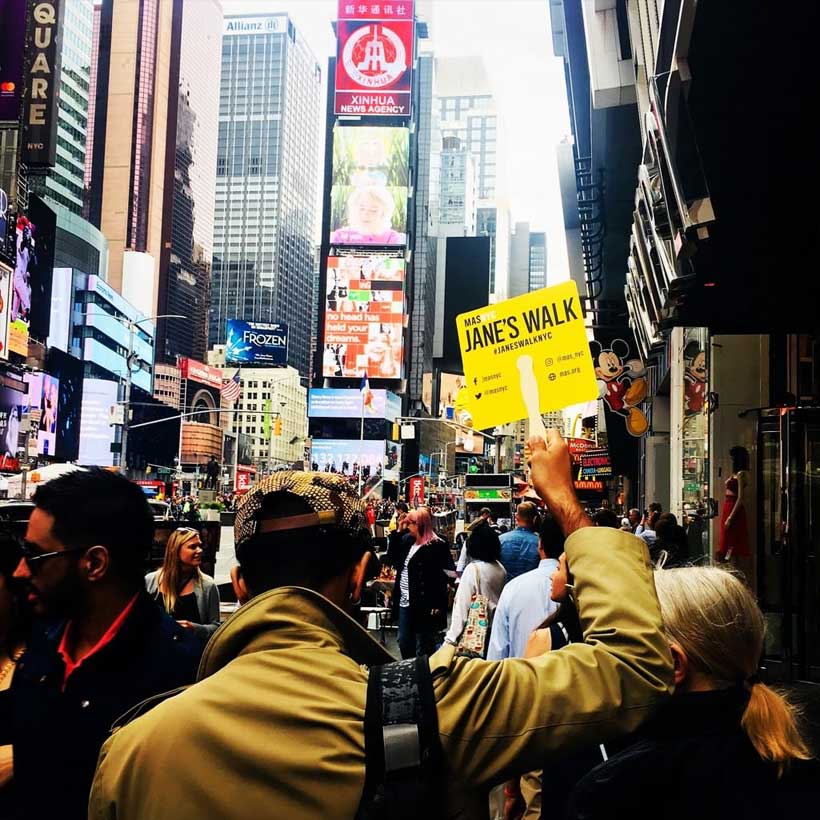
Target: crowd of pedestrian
pixel 611 689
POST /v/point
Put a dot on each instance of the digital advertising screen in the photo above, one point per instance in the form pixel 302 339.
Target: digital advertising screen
pixel 344 456
pixel 5 304
pixel 370 184
pixel 30 310
pixel 62 302
pixel 43 399
pixel 364 317
pixel 96 433
pixel 12 49
pixel 10 403
pixel 68 371
pixel 333 403
pixel 257 343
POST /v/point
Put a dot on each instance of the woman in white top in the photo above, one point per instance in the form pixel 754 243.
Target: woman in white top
pixel 484 574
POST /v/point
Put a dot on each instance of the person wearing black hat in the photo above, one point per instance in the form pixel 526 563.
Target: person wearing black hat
pixel 278 712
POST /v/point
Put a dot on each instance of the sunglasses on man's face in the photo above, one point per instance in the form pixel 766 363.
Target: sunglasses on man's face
pixel 35 560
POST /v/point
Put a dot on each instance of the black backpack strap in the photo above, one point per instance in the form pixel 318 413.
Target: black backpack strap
pixel 402 745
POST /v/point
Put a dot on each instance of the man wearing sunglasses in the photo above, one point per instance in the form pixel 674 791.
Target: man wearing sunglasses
pixel 101 645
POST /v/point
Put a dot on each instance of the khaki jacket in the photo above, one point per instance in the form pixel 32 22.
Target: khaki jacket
pixel 274 728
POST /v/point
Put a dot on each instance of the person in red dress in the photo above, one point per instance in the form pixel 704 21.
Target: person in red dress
pixel 734 528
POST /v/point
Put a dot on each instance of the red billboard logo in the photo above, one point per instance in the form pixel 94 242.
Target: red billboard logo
pixel 375 56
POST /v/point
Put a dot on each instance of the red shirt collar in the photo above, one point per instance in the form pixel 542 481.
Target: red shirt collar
pixel 109 635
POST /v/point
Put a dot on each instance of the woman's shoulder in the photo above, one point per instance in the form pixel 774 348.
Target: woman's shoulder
pixel 206 580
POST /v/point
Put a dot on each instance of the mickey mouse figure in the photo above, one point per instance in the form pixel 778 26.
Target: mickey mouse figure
pixel 621 383
pixel 694 378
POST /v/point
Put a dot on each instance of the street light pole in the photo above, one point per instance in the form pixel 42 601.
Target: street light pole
pixel 132 325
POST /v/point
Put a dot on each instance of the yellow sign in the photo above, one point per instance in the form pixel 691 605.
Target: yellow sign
pixel 526 356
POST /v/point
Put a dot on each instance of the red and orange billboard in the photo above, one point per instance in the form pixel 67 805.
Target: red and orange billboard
pixel 364 317
pixel 374 59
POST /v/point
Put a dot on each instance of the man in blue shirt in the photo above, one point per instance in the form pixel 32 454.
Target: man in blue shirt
pixel 525 601
pixel 519 548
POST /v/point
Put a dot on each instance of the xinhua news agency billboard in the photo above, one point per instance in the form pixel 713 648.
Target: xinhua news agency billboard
pixel 257 343
pixel 374 59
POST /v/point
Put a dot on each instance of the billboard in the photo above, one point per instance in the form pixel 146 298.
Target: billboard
pixel 257 343
pixel 30 310
pixel 62 301
pixel 364 317
pixel 5 308
pixel 344 456
pixel 374 59
pixel 96 434
pixel 68 370
pixel 202 385
pixel 43 84
pixel 370 185
pixel 43 402
pixel 10 403
pixel 7 254
pixel 332 403
pixel 12 49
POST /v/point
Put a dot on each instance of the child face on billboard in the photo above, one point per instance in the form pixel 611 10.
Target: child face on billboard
pixel 368 211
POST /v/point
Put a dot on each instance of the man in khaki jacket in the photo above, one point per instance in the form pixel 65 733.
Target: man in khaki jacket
pixel 274 727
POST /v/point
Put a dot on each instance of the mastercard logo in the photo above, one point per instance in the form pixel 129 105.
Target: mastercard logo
pixel 7 88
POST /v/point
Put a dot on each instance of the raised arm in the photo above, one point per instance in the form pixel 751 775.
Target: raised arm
pixel 499 719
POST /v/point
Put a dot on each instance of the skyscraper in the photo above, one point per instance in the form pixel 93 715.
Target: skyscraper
pixel 153 171
pixel 467 112
pixel 266 167
pixel 63 184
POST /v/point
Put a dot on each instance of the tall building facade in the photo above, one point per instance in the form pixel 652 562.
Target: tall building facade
pixel 266 167
pixel 467 112
pixel 428 172
pixel 64 183
pixel 153 169
pixel 457 198
pixel 190 183
pixel 528 260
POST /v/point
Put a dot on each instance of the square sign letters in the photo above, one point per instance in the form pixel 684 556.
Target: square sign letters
pixel 526 356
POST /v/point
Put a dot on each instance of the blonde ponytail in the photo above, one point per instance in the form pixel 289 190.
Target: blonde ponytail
pixel 714 618
pixel 769 721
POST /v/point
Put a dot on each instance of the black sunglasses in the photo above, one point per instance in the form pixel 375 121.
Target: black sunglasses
pixel 34 560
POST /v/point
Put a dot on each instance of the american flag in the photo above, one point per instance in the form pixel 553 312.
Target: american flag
pixel 231 388
pixel 367 393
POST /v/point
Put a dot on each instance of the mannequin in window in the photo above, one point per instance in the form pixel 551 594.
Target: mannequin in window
pixel 734 530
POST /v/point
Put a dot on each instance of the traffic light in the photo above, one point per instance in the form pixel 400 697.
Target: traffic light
pixel 277 427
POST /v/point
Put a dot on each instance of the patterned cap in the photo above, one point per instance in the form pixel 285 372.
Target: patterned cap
pixel 332 498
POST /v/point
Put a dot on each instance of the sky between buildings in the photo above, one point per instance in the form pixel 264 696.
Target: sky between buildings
pixel 515 40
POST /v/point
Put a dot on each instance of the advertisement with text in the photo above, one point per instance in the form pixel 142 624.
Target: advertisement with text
pixel 364 317
pixel 374 59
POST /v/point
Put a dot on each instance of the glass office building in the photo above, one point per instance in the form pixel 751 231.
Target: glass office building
pixel 266 180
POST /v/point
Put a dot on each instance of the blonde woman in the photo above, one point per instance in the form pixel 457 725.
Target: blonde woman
pixel 726 745
pixel 369 212
pixel 181 588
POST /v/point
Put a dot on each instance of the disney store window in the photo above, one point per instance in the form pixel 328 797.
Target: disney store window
pixel 695 435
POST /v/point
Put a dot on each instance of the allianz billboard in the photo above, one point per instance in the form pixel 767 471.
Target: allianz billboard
pixel 262 344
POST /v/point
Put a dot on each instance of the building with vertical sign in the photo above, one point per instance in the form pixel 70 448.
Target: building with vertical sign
pixel 266 178
pixel 153 169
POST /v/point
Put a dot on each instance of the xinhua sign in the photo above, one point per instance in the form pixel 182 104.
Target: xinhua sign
pixel 42 82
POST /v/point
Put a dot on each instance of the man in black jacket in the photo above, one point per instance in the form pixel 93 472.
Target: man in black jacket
pixel 101 647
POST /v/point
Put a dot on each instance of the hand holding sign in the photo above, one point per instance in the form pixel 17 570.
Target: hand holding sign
pixel 551 476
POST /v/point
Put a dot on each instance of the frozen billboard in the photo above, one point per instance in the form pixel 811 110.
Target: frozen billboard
pixel 364 317
pixel 257 344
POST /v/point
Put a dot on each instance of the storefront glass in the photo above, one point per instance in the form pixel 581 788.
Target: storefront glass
pixel 695 440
